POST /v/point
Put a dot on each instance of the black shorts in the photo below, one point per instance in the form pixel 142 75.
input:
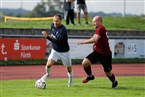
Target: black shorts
pixel 105 60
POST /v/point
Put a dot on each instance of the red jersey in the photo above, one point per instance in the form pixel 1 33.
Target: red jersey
pixel 102 45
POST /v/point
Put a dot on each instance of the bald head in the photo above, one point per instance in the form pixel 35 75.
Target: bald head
pixel 97 20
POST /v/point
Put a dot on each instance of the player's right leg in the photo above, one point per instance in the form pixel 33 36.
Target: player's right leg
pixel 78 14
pixel 90 59
pixel 50 62
pixel 53 57
pixel 87 68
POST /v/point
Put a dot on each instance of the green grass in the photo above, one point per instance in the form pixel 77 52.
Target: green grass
pixel 111 23
pixel 100 87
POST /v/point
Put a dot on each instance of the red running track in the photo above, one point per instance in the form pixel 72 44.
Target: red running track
pixel 59 71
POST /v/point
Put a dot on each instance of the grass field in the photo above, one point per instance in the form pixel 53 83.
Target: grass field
pixel 100 87
pixel 111 23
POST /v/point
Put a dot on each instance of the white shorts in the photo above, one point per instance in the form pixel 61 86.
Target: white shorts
pixel 65 57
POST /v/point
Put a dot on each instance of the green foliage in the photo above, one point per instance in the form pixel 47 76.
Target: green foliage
pixel 100 87
pixel 111 23
pixel 46 8
pixel 128 60
pixel 74 61
pixel 24 62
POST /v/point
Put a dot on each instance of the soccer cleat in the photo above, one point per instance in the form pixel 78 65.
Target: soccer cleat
pixel 88 79
pixel 114 85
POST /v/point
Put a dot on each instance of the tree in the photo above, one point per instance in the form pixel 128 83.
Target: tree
pixel 47 8
pixel 1 16
pixel 40 10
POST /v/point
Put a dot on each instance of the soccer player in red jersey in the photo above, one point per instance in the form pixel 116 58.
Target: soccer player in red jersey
pixel 101 52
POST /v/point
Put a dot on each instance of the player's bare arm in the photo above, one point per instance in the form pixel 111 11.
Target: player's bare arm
pixel 93 39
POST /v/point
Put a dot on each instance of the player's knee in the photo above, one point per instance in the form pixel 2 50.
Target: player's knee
pixel 85 62
pixel 50 62
pixel 78 13
pixel 48 65
pixel 108 73
pixel 69 69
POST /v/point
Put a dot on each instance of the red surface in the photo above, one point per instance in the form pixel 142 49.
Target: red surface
pixel 59 71
pixel 22 48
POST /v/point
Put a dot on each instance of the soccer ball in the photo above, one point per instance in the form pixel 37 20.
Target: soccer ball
pixel 40 84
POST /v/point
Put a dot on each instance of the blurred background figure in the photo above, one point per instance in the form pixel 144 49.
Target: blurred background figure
pixel 69 11
pixel 81 4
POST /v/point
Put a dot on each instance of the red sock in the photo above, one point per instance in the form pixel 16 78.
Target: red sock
pixel 88 70
pixel 112 78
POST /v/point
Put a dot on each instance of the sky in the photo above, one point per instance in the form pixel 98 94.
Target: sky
pixel 136 7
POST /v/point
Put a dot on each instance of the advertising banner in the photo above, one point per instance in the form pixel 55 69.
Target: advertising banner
pixel 22 48
pixel 121 48
pixel 129 48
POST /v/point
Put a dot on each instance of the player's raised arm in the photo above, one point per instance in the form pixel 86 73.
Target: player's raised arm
pixel 93 39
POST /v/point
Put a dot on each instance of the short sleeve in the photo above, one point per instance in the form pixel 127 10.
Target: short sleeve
pixel 98 31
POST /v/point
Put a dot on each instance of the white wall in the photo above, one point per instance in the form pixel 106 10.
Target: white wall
pixel 121 48
pixel 132 48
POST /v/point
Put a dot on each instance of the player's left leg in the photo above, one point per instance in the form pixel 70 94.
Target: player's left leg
pixel 66 59
pixel 70 76
pixel 106 61
pixel 111 77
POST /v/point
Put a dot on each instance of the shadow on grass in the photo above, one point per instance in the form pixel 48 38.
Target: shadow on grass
pixel 109 87
pixel 120 88
pixel 131 88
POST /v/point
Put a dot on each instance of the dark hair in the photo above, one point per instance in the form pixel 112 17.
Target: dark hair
pixel 58 16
